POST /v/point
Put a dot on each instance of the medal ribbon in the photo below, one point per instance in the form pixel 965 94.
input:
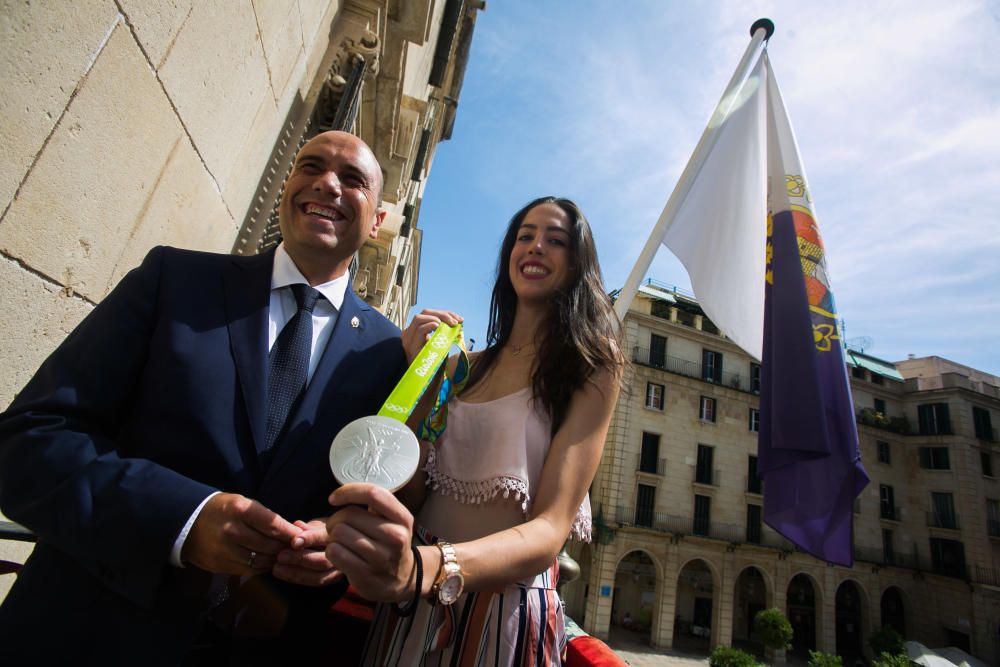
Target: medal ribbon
pixel 418 376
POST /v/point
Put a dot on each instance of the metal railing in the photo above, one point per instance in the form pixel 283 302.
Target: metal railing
pixel 892 513
pixel 688 368
pixel 754 484
pixel 658 468
pixel 680 525
pixel 943 520
pixel 708 477
pixel 993 527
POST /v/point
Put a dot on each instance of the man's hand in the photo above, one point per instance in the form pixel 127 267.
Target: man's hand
pixel 372 546
pixel 422 326
pixel 305 563
pixel 229 529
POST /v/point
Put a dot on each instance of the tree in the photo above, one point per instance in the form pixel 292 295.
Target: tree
pixel 726 656
pixel 886 640
pixel 773 629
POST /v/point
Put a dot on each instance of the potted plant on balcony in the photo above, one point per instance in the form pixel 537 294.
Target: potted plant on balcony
pixel 775 632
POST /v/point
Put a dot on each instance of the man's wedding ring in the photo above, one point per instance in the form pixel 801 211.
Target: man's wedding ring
pixel 251 559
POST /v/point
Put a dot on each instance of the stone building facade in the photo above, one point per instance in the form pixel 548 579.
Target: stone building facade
pixel 133 123
pixel 679 541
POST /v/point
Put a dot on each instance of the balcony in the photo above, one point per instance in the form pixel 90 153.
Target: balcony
pixel 947 520
pixel 989 576
pixel 993 527
pixel 754 484
pixel 651 467
pixel 869 417
pixel 890 513
pixel 708 477
pixel 893 559
pixel 628 517
pixel 691 369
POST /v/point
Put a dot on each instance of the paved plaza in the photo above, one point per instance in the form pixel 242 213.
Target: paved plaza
pixel 634 649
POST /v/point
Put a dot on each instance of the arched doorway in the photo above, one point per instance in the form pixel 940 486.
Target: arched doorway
pixel 893 613
pixel 850 634
pixel 750 596
pixel 802 615
pixel 695 607
pixel 634 601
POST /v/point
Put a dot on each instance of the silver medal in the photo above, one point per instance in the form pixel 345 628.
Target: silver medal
pixel 376 450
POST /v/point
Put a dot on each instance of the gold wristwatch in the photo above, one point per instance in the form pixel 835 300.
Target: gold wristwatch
pixel 449 583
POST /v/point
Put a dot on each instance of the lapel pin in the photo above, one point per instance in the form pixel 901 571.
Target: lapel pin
pixel 355 322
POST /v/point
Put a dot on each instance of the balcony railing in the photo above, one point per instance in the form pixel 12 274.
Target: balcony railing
pixel 684 525
pixel 993 527
pixel 870 417
pixel 890 513
pixel 893 559
pixel 691 369
pixel 989 576
pixel 655 467
pixel 708 477
pixel 754 484
pixel 943 520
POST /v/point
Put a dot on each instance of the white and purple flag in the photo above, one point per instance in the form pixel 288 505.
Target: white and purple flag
pixel 746 232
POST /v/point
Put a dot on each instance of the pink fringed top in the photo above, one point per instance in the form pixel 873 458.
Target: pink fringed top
pixel 495 450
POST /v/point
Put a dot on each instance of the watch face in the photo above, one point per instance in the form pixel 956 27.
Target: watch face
pixel 451 588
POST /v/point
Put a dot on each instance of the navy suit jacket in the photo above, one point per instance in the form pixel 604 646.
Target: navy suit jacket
pixel 157 399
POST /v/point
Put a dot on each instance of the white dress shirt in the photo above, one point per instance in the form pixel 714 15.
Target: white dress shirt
pixel 281 309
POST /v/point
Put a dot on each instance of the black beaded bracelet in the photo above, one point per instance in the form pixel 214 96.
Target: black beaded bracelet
pixel 418 563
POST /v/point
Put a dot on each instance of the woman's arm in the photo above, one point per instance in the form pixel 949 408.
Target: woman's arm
pixel 529 548
pixel 372 546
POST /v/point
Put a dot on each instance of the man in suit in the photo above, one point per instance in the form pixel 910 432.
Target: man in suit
pixel 178 510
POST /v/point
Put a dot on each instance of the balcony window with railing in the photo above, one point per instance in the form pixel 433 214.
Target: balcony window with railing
pixel 754 484
pixel 754 377
pixel 702 524
pixel 703 469
pixel 948 558
pixel 754 420
pixel 942 514
pixel 649 456
pixel 986 462
pixel 883 452
pixel 887 503
pixel 753 524
pixel 657 351
pixel 934 458
pixel 933 419
pixel 993 517
pixel 645 501
pixel 711 366
pixel 888 548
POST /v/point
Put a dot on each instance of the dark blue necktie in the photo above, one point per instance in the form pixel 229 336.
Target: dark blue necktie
pixel 288 364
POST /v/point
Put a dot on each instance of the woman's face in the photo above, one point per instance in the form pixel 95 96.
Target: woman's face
pixel 540 259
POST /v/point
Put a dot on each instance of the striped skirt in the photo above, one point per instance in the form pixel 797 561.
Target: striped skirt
pixel 521 624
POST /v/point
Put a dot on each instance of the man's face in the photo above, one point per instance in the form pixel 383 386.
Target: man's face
pixel 330 203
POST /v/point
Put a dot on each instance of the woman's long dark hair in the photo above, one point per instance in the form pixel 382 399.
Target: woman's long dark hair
pixel 579 335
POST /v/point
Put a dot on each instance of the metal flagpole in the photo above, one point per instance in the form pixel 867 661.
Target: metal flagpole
pixel 760 31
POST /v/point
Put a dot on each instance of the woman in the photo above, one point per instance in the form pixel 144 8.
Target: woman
pixel 509 476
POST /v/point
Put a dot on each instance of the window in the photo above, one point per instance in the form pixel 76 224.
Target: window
pixel 753 524
pixel 887 502
pixel 880 406
pixel 711 366
pixel 888 550
pixel 654 396
pixel 948 557
pixel 706 411
pixel 884 452
pixel 649 459
pixel 657 351
pixel 702 515
pixel 703 471
pixel 981 421
pixel 986 462
pixel 934 458
pixel 877 379
pixel 943 514
pixel 753 481
pixel 754 420
pixel 858 372
pixel 993 517
pixel 644 502
pixel 933 418
pixel 754 378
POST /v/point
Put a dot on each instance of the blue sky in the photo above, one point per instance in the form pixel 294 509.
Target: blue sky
pixel 895 105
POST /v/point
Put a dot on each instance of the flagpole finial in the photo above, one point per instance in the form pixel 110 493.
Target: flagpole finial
pixel 766 24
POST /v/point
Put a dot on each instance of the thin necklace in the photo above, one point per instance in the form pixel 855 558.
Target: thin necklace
pixel 516 349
